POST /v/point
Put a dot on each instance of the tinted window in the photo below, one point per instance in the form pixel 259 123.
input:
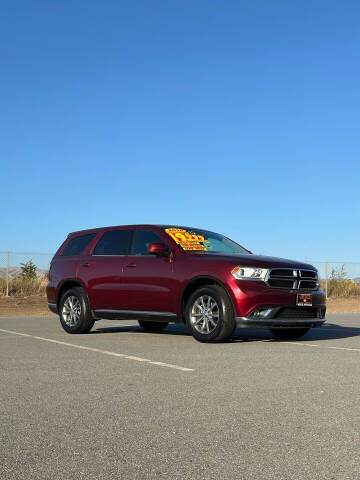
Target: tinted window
pixel 78 244
pixel 142 240
pixel 115 242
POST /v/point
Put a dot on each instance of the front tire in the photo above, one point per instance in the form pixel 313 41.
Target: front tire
pixel 152 326
pixel 289 333
pixel 210 315
pixel 75 311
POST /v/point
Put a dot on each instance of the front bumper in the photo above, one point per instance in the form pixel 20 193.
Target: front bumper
pixel 251 322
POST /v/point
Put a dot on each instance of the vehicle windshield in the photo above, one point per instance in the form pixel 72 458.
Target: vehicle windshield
pixel 203 241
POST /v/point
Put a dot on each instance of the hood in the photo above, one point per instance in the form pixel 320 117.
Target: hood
pixel 257 260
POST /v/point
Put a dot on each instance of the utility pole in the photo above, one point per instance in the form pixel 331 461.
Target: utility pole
pixel 326 279
pixel 7 272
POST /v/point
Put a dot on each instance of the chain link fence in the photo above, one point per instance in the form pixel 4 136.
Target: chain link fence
pixel 338 279
pixel 11 264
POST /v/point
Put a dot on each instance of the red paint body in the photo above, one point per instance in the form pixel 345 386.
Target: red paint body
pixel 156 283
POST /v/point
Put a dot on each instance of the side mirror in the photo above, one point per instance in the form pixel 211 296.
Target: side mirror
pixel 158 249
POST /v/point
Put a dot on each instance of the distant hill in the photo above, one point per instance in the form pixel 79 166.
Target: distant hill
pixel 15 272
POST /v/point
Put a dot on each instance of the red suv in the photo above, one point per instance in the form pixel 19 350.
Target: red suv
pixel 159 274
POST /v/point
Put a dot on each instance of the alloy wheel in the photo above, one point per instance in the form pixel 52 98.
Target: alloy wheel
pixel 71 311
pixel 204 315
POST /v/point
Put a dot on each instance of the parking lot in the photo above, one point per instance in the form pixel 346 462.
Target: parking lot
pixel 122 403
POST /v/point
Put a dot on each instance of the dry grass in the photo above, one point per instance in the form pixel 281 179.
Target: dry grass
pixel 27 297
pixel 342 288
pixel 22 287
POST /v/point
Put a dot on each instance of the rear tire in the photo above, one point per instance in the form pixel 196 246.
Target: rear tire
pixel 289 333
pixel 210 315
pixel 75 311
pixel 152 326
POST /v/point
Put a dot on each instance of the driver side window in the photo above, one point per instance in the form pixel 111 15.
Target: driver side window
pixel 142 240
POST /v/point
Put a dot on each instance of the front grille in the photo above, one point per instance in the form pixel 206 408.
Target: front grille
pixel 298 312
pixel 292 279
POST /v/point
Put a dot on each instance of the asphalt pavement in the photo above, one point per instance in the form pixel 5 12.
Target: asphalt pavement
pixel 119 403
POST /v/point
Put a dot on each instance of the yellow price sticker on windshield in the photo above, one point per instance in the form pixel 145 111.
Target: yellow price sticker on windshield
pixel 187 240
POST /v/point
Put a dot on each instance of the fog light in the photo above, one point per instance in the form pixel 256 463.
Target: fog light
pixel 262 312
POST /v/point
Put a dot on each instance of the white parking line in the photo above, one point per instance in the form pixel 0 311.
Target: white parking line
pixel 105 352
pixel 309 345
pixel 321 346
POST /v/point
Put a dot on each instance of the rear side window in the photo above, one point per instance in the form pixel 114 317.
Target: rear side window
pixel 115 242
pixel 78 244
pixel 142 240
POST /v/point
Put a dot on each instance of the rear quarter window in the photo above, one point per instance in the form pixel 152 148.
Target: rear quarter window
pixel 78 244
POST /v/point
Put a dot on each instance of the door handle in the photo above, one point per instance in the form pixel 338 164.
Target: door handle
pixel 86 264
pixel 131 265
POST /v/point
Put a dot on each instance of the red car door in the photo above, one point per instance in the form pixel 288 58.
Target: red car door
pixel 148 281
pixel 102 271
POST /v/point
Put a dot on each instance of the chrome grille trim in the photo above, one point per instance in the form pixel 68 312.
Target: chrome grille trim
pixel 292 279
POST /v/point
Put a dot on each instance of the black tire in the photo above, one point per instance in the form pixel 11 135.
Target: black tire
pixel 226 323
pixel 289 333
pixel 152 326
pixel 85 322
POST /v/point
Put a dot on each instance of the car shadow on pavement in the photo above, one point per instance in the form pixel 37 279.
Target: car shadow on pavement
pixel 328 332
pixel 171 329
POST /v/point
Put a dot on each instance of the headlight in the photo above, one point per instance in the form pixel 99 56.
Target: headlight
pixel 249 273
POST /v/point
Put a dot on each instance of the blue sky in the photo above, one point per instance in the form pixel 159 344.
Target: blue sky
pixel 240 116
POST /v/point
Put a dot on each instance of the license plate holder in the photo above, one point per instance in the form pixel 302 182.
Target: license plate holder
pixel 304 300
